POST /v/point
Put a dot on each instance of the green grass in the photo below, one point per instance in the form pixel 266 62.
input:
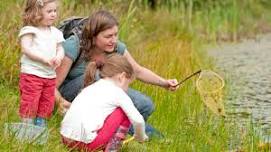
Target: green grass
pixel 170 42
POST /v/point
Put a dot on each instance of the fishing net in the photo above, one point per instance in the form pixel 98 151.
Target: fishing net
pixel 210 87
pixel 27 132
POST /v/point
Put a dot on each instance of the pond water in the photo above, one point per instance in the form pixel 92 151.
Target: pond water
pixel 247 68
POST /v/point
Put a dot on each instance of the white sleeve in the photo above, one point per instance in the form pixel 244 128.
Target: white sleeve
pixel 59 35
pixel 28 30
pixel 133 115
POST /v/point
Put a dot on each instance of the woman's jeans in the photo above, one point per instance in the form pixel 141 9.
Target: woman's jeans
pixel 142 102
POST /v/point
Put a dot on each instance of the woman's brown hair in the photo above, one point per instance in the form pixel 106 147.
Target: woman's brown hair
pixel 97 22
pixel 32 13
pixel 112 64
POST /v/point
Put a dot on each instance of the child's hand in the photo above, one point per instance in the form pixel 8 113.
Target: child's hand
pixel 146 138
pixel 51 63
pixel 48 62
pixel 141 140
pixel 55 62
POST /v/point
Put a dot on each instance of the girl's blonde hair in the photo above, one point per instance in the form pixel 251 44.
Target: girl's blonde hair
pixel 108 66
pixel 32 13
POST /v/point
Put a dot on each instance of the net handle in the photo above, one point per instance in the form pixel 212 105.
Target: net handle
pixel 188 77
pixel 128 140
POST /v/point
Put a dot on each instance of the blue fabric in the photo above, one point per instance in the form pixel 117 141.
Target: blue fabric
pixel 71 88
pixel 150 131
pixel 41 122
pixel 121 47
pixel 145 107
pixel 71 47
pixel 142 102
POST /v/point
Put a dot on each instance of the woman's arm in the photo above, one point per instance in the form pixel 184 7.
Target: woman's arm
pixel 150 77
pixel 63 70
pixel 61 74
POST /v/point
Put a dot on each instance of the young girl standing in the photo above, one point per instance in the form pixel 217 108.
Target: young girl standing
pixel 100 116
pixel 42 52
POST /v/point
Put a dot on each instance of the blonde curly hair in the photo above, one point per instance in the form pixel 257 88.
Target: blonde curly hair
pixel 32 13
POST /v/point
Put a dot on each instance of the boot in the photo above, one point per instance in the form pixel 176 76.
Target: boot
pixel 115 142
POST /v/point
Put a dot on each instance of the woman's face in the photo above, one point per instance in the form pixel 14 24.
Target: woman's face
pixel 107 39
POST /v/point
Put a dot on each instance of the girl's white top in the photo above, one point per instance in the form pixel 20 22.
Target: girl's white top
pixel 90 108
pixel 44 44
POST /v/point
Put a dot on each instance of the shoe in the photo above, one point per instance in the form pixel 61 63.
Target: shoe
pixel 153 133
pixel 41 122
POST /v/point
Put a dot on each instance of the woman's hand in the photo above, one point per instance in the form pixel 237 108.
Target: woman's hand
pixel 170 84
pixel 62 104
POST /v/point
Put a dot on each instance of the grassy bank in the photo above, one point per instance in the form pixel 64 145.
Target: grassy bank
pixel 167 40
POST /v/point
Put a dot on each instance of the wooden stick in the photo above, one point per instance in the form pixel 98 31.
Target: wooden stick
pixel 188 77
pixel 128 140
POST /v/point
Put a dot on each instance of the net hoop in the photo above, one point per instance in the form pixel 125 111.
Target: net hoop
pixel 215 74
